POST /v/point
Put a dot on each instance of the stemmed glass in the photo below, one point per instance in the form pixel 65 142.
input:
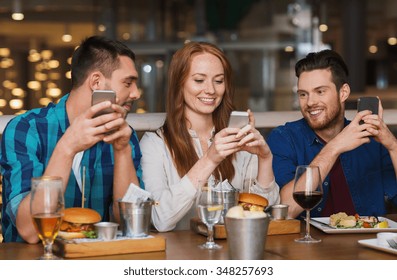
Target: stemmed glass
pixel 46 209
pixel 209 205
pixel 308 192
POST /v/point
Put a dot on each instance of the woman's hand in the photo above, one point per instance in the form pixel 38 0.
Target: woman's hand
pixel 251 140
pixel 224 144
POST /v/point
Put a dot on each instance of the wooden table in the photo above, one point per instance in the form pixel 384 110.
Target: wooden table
pixel 182 245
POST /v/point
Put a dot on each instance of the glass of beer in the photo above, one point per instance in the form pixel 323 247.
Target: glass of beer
pixel 47 208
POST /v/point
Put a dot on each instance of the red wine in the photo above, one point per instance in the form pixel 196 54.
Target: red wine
pixel 308 200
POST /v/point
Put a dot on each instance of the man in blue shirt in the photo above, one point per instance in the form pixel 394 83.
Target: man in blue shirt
pixel 358 162
pixel 68 139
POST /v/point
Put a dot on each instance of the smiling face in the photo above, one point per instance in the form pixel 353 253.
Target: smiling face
pixel 124 82
pixel 204 87
pixel 319 100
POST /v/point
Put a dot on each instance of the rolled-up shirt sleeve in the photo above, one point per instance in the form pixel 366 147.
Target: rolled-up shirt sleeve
pixel 271 191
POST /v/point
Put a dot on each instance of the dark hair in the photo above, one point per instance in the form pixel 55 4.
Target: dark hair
pixel 176 132
pixel 325 59
pixel 97 53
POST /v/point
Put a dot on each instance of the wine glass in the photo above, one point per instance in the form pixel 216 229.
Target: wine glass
pixel 46 209
pixel 308 192
pixel 209 205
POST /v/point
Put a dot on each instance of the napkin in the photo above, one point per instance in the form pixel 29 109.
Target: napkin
pixel 227 187
pixel 135 194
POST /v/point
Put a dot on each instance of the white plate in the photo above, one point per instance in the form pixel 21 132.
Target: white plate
pixel 373 243
pixel 392 227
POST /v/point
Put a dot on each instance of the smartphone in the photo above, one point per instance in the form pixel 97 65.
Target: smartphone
pixel 238 119
pixel 99 96
pixel 368 103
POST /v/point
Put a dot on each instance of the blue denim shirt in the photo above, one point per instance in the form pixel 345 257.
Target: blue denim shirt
pixel 368 169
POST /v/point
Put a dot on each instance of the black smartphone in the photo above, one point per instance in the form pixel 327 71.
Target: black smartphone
pixel 99 96
pixel 238 119
pixel 368 103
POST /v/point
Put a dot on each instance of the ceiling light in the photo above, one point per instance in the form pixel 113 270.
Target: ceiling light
pixel 18 92
pixel 67 37
pixel 3 103
pixel 34 85
pixel 53 63
pixel 53 92
pixel 126 36
pixel 392 41
pixel 323 27
pixel 51 85
pixel 101 28
pixel 16 103
pixel 34 56
pixel 373 49
pixel 46 54
pixel 5 52
pixel 17 10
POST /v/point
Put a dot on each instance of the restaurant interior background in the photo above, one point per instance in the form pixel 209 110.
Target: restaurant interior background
pixel 262 38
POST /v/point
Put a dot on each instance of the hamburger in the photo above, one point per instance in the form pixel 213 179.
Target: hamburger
pixel 79 223
pixel 252 202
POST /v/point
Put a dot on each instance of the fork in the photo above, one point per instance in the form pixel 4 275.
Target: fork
pixel 392 243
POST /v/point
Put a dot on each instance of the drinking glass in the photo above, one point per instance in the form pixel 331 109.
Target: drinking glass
pixel 308 192
pixel 46 209
pixel 209 205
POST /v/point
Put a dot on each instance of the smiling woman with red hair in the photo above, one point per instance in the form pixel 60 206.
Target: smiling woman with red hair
pixel 195 142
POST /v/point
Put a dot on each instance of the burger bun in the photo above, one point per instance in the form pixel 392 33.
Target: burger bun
pixel 70 235
pixel 81 216
pixel 253 199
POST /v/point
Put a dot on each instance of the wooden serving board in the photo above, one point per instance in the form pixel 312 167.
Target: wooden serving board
pixel 73 249
pixel 275 227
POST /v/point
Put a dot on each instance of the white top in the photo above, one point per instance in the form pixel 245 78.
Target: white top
pixel 176 195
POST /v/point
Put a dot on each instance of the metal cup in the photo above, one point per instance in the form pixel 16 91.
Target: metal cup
pixel 106 230
pixel 135 218
pixel 230 199
pixel 279 211
pixel 246 237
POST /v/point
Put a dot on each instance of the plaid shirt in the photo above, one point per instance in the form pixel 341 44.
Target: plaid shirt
pixel 27 145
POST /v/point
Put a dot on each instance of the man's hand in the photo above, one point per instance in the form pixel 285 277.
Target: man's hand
pixel 353 135
pixel 122 131
pixel 85 130
pixel 379 130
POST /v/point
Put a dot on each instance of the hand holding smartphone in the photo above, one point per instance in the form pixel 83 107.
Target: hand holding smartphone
pixel 368 103
pixel 238 119
pixel 99 96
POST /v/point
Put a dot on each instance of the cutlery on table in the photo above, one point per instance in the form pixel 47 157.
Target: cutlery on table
pixel 321 223
pixel 392 243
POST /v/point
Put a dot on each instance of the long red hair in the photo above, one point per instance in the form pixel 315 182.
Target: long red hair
pixel 176 132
